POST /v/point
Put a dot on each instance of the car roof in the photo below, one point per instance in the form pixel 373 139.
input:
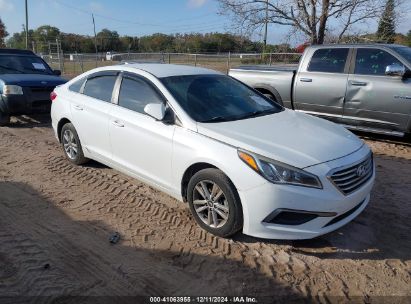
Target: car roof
pixel 167 70
pixel 356 45
pixel 15 52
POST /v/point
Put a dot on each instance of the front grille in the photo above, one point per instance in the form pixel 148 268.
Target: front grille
pixel 351 178
pixel 41 89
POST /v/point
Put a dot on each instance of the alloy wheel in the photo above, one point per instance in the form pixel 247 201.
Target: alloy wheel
pixel 210 204
pixel 70 144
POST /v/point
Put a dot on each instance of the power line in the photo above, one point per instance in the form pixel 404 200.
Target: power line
pixel 128 21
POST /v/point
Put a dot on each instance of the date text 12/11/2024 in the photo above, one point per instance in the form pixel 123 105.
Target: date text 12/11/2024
pixel 203 300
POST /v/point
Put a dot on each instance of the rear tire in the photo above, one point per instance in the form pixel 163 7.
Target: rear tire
pixel 272 97
pixel 4 119
pixel 215 203
pixel 71 145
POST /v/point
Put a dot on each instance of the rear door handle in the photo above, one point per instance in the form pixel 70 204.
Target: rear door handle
pixel 118 123
pixel 77 107
pixel 306 80
pixel 358 83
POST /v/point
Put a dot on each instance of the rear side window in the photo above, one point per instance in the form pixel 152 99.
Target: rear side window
pixel 76 86
pixel 373 62
pixel 328 60
pixel 135 94
pixel 100 87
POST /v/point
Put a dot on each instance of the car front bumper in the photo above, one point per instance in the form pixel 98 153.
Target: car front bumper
pixel 33 100
pixel 332 209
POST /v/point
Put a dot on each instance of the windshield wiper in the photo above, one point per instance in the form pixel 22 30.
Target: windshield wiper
pixel 216 119
pixel 40 71
pixel 258 113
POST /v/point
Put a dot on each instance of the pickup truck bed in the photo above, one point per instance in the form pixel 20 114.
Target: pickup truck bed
pixel 273 81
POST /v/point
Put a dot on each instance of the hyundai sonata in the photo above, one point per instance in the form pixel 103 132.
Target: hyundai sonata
pixel 240 161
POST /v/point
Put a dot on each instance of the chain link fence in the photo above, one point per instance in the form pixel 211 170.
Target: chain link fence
pixel 75 64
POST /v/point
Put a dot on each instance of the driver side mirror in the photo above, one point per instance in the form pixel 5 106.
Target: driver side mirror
pixel 57 72
pixel 155 110
pixel 395 70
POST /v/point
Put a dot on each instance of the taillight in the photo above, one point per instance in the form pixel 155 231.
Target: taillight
pixel 53 96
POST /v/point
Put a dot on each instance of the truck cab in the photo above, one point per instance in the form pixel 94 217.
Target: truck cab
pixel 364 87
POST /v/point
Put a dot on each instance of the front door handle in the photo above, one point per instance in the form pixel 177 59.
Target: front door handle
pixel 358 83
pixel 118 123
pixel 77 107
pixel 306 80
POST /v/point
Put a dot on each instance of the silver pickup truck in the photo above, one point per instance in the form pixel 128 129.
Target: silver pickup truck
pixel 364 87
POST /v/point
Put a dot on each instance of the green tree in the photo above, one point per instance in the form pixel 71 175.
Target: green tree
pixel 3 34
pixel 43 35
pixel 386 26
pixel 409 38
pixel 108 41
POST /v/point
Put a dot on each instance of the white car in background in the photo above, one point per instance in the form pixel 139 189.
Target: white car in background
pixel 241 161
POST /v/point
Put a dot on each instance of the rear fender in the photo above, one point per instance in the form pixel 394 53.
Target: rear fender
pixel 272 90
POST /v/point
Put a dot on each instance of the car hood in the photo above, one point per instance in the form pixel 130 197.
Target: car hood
pixel 290 137
pixel 29 80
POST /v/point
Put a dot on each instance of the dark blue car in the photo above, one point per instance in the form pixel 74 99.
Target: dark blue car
pixel 26 82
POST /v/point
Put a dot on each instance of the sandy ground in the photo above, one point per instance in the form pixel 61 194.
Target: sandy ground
pixel 56 219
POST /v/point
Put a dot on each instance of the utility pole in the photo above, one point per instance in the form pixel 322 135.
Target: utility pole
pixel 265 26
pixel 27 27
pixel 95 38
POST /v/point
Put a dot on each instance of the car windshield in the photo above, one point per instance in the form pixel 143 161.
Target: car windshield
pixel 217 98
pixel 404 52
pixel 15 64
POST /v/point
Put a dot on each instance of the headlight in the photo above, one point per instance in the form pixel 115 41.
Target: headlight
pixel 279 173
pixel 12 90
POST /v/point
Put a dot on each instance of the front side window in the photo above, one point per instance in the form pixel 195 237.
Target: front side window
pixel 329 60
pixel 404 52
pixel 373 62
pixel 100 87
pixel 217 98
pixel 135 94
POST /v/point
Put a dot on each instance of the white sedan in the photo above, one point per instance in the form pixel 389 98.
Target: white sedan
pixel 241 161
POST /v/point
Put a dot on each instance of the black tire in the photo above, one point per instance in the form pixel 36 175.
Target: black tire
pixel 234 221
pixel 272 97
pixel 4 119
pixel 77 158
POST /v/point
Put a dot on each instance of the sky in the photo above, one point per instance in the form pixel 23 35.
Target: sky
pixel 138 17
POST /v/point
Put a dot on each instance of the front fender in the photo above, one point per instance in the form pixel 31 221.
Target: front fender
pixel 190 148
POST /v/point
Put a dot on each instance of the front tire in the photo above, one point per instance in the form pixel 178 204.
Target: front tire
pixel 215 203
pixel 4 119
pixel 71 145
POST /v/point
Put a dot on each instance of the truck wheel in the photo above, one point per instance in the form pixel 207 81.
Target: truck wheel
pixel 71 145
pixel 214 202
pixel 4 119
pixel 272 97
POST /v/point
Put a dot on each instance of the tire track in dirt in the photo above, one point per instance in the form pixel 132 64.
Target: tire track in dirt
pixel 138 212
pixel 150 219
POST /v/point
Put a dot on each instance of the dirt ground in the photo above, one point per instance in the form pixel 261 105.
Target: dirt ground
pixel 56 219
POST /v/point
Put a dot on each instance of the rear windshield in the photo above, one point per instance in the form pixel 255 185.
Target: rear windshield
pixel 15 64
pixel 218 98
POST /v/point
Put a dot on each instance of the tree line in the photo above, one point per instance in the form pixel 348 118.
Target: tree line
pixel 107 40
pixel 319 21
